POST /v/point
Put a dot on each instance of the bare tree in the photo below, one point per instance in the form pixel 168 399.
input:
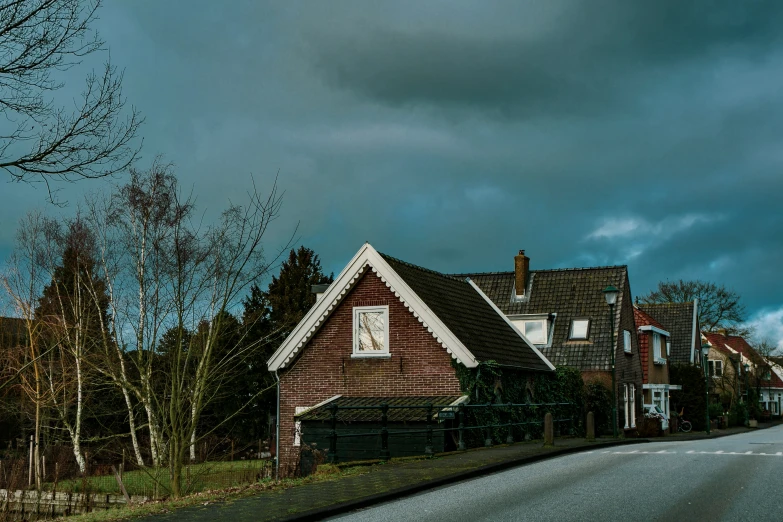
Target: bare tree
pixel 166 275
pixel 39 139
pixel 720 308
pixel 27 272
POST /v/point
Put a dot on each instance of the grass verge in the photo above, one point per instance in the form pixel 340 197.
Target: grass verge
pixel 326 472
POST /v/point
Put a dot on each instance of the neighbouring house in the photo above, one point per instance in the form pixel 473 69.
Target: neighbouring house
pixel 656 346
pixel 770 387
pixel 385 330
pixel 681 320
pixel 565 314
pixel 726 359
pixel 12 337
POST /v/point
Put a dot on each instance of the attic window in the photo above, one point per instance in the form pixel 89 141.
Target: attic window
pixel 371 331
pixel 535 327
pixel 535 331
pixel 626 341
pixel 580 329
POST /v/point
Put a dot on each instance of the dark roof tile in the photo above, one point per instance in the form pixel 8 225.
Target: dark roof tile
pixel 468 316
pixel 570 293
pixel 677 319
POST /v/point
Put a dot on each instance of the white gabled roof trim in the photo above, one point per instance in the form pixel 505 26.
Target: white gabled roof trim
pixel 322 403
pixel 366 257
pixel 508 322
pixel 651 328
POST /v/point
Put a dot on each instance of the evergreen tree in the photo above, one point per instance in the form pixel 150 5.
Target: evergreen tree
pixel 268 318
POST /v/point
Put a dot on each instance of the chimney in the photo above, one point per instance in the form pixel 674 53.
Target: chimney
pixel 318 290
pixel 723 332
pixel 521 269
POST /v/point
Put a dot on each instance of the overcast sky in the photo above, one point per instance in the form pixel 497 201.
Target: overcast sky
pixel 452 134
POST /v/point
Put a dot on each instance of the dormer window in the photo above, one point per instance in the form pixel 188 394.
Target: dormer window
pixel 371 331
pixel 580 329
pixel 534 327
pixel 535 331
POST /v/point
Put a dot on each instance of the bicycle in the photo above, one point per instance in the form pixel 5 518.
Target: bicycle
pixel 682 424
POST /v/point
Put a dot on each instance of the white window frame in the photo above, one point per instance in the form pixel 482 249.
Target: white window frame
pixel 625 400
pixel 633 406
pixel 571 329
pixel 668 348
pixel 715 364
pixel 626 341
pixel 657 342
pixel 377 353
pixel 544 330
pixel 520 322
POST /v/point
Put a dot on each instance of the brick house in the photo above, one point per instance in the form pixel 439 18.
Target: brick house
pixel 655 349
pixel 563 312
pixel 387 329
pixel 681 320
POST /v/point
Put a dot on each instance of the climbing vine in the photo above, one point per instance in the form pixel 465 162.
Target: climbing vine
pixel 491 383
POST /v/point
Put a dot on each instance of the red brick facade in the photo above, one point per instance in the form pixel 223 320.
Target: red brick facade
pixel 418 366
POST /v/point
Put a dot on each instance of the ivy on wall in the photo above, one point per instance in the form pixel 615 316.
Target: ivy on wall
pixel 491 383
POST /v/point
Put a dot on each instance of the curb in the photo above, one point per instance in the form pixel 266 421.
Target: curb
pixel 353 505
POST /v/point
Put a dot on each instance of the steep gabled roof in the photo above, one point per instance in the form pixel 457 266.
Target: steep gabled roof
pixel 679 320
pixel 732 345
pixel 569 293
pixel 643 319
pixel 473 320
pixel 452 309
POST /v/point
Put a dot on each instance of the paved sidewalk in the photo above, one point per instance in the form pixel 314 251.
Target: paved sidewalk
pixel 393 480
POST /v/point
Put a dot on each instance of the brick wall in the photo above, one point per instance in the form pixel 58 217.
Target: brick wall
pixel 418 366
pixel 628 366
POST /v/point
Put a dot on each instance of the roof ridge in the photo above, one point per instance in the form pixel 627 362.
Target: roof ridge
pixel 666 304
pixel 423 269
pixel 509 272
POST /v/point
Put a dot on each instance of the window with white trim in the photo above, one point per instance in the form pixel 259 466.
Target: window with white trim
pixel 656 345
pixel 626 341
pixel 580 329
pixel 535 331
pixel 633 406
pixel 715 368
pixel 668 348
pixel 625 401
pixel 371 331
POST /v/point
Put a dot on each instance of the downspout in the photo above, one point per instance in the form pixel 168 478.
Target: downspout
pixel 277 433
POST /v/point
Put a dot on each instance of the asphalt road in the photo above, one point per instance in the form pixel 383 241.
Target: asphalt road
pixel 731 478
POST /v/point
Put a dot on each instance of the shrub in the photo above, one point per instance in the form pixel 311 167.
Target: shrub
pixel 598 399
pixel 737 414
pixel 716 410
pixel 692 396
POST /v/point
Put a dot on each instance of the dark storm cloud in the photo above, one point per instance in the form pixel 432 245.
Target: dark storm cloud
pixel 452 133
pixel 590 57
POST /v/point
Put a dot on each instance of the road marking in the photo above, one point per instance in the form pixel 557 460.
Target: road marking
pixel 693 452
